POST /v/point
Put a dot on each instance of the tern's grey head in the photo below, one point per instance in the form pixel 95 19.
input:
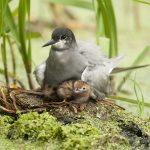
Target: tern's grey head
pixel 62 39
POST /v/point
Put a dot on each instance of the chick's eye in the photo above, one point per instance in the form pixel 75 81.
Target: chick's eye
pixel 63 37
pixel 84 88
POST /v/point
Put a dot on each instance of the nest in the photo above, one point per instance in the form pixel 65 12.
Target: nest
pixel 14 100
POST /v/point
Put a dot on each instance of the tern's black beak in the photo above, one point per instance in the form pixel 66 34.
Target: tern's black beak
pixel 51 42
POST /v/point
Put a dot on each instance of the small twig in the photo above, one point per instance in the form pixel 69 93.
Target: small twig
pixel 4 97
pixel 32 92
pixel 7 110
pixel 53 104
pixel 32 110
pixel 106 101
pixel 58 103
pixel 12 96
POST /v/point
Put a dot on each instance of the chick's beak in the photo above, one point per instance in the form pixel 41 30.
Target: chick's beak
pixel 51 42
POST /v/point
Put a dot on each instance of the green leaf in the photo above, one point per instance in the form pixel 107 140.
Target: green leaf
pixel 3 5
pixel 25 52
pixel 143 1
pixel 4 59
pixel 128 100
pixel 113 29
pixel 29 35
pixel 22 33
pixel 3 51
pixel 137 89
pixel 21 24
pixel 108 22
pixel 11 24
pixel 77 3
pixel 28 7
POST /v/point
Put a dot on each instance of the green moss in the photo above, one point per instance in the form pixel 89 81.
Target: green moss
pixel 79 136
pixel 98 128
pixel 34 126
pixel 44 127
pixel 6 144
pixel 5 123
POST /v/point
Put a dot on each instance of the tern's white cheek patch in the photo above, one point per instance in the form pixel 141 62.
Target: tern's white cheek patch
pixel 60 45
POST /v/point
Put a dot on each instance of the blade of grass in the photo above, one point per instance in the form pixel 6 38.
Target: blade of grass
pixel 29 35
pixel 100 30
pixel 13 59
pixel 113 29
pixel 4 59
pixel 118 70
pixel 106 9
pixel 98 23
pixel 102 10
pixel 128 100
pixel 22 37
pixel 19 36
pixel 143 1
pixel 22 34
pixel 77 3
pixel 140 102
pixel 138 60
pixel 3 5
pixel 29 53
pixel 9 20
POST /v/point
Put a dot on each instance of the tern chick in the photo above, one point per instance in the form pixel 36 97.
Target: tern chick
pixel 78 91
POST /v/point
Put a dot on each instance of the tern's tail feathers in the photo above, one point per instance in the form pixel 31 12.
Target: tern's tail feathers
pixel 114 62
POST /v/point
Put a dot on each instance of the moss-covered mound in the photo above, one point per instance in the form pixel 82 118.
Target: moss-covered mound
pixel 100 126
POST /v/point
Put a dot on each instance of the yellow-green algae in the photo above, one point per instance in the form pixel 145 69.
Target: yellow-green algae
pixel 98 128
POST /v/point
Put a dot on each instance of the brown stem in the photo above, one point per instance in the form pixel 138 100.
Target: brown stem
pixel 30 81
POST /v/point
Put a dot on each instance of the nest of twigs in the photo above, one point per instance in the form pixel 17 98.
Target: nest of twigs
pixel 14 100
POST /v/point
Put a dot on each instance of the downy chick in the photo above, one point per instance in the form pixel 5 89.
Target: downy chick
pixel 76 91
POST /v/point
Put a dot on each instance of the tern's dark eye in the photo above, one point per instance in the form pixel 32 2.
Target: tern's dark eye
pixel 63 37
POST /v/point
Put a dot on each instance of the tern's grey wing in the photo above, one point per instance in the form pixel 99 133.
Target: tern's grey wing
pixel 98 76
pixel 91 52
pixel 39 73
